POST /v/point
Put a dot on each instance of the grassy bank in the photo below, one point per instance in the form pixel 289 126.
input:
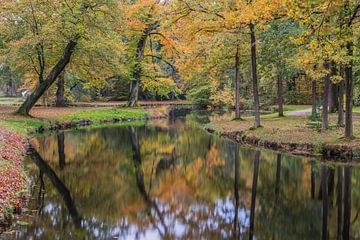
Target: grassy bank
pixel 49 116
pixel 295 133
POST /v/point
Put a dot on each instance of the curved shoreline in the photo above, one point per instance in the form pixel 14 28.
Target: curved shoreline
pixel 6 219
pixel 326 151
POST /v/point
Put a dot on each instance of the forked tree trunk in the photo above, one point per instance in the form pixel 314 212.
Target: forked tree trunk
pixel 254 76
pixel 237 84
pixel 280 98
pixel 50 79
pixel 140 48
pixel 60 92
pixel 325 110
pixel 313 100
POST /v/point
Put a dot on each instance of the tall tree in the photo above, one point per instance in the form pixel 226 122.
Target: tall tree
pixel 325 106
pixel 254 75
pixel 42 36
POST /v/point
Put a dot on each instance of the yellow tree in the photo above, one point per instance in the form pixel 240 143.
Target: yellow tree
pixel 195 21
pixel 327 42
pixel 146 63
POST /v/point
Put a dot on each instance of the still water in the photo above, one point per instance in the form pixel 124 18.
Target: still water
pixel 171 180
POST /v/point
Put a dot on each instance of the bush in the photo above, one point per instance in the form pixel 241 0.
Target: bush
pixel 200 96
pixel 294 97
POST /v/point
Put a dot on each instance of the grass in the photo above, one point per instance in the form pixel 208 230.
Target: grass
pixel 104 114
pixel 20 126
pixel 48 116
pixel 6 101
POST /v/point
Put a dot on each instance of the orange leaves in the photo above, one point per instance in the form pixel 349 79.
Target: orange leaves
pixel 12 179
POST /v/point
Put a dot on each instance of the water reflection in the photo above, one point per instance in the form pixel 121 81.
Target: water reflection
pixel 171 180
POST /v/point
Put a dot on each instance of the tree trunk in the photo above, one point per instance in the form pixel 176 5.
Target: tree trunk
pixel 253 192
pixel 10 89
pixel 134 93
pixel 349 93
pixel 254 76
pixel 50 79
pixel 60 92
pixel 333 92
pixel 333 98
pixel 313 100
pixel 135 82
pixel 325 110
pixel 341 98
pixel 237 84
pixel 280 98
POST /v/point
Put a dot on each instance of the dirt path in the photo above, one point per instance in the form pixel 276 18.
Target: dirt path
pixel 300 113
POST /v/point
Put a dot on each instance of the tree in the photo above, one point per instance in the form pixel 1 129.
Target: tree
pixel 49 34
pixel 219 21
pixel 60 92
pixel 150 69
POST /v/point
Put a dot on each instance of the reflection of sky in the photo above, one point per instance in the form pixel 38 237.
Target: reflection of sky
pixel 220 213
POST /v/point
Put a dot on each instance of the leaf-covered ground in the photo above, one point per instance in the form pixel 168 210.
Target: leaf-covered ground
pixel 291 129
pixel 12 176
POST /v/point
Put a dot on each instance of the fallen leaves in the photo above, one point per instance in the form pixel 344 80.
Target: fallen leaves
pixel 12 177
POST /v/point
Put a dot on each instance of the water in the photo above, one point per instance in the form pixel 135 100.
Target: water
pixel 172 180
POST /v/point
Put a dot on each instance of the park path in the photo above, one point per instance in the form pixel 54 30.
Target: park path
pixel 300 113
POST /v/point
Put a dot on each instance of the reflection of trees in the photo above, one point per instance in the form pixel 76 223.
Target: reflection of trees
pixel 236 191
pixel 253 192
pixel 61 149
pixel 325 202
pixel 126 188
pixel 347 202
pixel 140 179
pixel 58 184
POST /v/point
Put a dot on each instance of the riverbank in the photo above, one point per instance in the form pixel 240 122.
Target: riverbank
pixel 14 133
pixel 293 134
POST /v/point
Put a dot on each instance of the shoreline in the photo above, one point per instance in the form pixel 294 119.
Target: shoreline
pixel 327 151
pixel 13 150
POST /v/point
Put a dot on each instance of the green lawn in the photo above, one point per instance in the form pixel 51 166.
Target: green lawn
pixel 8 101
pixel 104 114
pixel 21 126
pixel 97 116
